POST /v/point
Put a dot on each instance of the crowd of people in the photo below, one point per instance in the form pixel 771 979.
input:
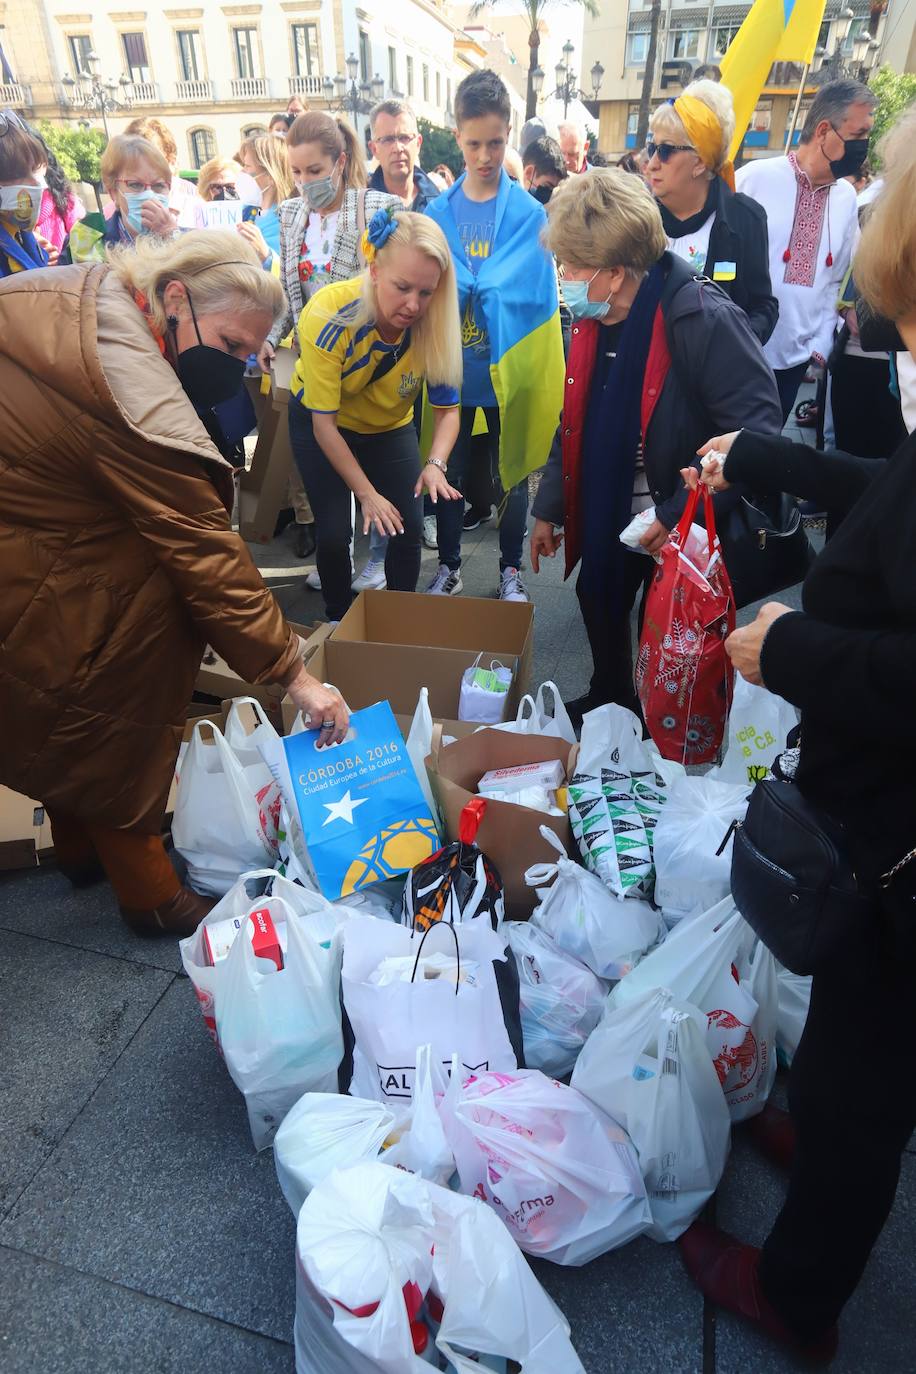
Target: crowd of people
pixel 540 313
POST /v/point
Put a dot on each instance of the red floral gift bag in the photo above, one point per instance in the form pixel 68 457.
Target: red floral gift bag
pixel 683 674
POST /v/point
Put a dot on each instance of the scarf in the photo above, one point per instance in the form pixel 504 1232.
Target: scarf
pixel 612 436
pixel 19 252
pixel 679 228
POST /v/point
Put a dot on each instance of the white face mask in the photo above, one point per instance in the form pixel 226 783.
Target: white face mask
pixel 22 204
pixel 248 189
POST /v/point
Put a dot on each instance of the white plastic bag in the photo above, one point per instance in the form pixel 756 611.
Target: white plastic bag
pixel 418 1142
pixel 694 545
pixel 615 796
pixel 279 1029
pixel 419 747
pixel 321 919
pixel 324 1132
pixel 695 965
pixel 693 845
pixel 751 1077
pixel 374 1240
pixel 533 717
pixel 562 1175
pixel 647 1066
pixel 561 999
pixel 794 993
pixel 390 1022
pixel 607 933
pixel 758 724
pixel 219 828
pixel 484 692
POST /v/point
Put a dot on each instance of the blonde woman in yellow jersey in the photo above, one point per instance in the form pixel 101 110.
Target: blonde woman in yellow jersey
pixel 366 348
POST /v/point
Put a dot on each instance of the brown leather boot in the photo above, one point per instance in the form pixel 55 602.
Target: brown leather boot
pixel 180 916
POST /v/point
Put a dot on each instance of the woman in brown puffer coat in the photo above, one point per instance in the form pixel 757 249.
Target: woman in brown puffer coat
pixel 117 557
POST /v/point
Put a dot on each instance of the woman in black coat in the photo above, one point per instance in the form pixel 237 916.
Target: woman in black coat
pixel 848 660
pixel 721 234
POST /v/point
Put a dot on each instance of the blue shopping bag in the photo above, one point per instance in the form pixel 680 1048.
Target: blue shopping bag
pixel 362 814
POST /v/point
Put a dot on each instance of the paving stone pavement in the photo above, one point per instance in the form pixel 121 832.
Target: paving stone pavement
pixel 139 1231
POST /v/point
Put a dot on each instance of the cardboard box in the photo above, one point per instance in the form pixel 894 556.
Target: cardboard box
pixel 21 821
pixel 216 679
pixel 466 624
pixel 509 835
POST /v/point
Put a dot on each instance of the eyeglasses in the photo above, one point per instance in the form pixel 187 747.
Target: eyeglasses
pixel 10 120
pixel 161 188
pixel 389 140
pixel 220 186
pixel 665 150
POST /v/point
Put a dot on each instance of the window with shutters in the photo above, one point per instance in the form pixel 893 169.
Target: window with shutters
pixel 135 58
pixel 203 146
pixel 409 75
pixel 305 50
pixel 189 55
pixel 246 53
pixel 80 46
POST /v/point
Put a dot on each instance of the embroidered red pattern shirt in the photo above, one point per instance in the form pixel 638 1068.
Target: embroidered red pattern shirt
pixel 811 204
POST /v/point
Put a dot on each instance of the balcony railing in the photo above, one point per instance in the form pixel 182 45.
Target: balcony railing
pixel 144 93
pixel 305 85
pixel 194 90
pixel 249 87
pixel 14 96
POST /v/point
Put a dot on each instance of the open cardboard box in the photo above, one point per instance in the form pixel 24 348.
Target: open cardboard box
pixel 509 835
pixel 21 821
pixel 216 679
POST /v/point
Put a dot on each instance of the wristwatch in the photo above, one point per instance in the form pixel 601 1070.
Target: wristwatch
pixel 437 463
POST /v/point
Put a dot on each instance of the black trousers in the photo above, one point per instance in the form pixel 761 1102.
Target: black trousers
pixel 866 418
pixel 391 461
pixel 610 637
pixel 788 380
pixel 852 1095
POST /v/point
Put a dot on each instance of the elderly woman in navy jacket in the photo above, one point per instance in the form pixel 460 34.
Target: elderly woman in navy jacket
pixel 657 356
pixel 719 233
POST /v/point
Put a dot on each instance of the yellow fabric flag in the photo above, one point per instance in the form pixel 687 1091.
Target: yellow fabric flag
pixel 774 31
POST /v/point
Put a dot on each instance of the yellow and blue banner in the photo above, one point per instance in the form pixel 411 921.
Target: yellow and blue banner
pixel 773 31
pixel 515 289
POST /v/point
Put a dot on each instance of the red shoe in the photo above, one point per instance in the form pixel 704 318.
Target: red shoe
pixel 725 1271
pixel 773 1132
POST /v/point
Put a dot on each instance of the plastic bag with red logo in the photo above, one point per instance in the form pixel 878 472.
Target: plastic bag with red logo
pixel 751 1077
pixel 698 964
pixel 562 1176
pixel 683 674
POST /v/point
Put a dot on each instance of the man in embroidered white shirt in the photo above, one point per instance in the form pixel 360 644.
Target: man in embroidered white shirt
pixel 811 218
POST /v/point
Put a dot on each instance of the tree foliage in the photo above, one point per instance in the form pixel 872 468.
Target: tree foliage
pixel 439 145
pixel 534 11
pixel 78 151
pixel 895 92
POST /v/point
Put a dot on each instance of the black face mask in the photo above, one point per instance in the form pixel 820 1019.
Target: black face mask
pixel 854 154
pixel 207 374
pixel 541 193
pixel 225 193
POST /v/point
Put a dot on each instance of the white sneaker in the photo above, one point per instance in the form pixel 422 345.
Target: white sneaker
pixel 445 583
pixel 511 586
pixel 313 581
pixel 372 578
pixel 430 532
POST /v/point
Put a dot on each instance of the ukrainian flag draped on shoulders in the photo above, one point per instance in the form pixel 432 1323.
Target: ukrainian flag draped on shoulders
pixel 516 291
pixel 773 31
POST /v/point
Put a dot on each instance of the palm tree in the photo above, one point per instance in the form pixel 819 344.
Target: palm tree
pixel 534 12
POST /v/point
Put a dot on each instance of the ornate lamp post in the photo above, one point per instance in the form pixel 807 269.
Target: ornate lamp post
pixel 89 92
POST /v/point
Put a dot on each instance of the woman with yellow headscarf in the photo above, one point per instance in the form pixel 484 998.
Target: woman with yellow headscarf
pixel 723 235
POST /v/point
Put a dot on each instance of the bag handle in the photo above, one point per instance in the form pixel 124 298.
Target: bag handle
pixel 682 528
pixel 520 715
pixel 436 925
pixel 233 712
pixel 543 872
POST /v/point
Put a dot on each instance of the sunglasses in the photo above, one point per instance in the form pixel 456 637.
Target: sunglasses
pixel 665 150
pixel 10 120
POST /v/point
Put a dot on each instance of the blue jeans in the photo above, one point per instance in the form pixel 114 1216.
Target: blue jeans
pixel 513 505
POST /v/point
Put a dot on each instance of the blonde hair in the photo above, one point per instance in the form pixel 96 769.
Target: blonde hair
pixel 885 263
pixel 211 171
pixel 270 154
pixel 605 219
pixel 154 131
pixel 435 339
pixel 219 268
pixel 717 98
pixel 125 150
pixel 334 136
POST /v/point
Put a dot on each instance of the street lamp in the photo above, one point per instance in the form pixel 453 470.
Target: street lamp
pixel 567 87
pixel 87 91
pixel 355 98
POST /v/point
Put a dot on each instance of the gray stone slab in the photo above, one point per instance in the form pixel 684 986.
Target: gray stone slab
pixel 66 1015
pixel 157 1185
pixel 41 902
pixel 876 1329
pixel 59 1321
pixel 632 1310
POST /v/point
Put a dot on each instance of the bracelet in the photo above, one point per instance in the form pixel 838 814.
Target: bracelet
pixel 437 463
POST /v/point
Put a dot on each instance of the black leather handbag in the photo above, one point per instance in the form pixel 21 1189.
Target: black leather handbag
pixel 793 882
pixel 765 547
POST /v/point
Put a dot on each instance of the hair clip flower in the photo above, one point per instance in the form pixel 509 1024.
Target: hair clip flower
pixel 381 226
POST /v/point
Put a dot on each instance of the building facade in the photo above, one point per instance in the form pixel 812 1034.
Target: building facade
pixel 215 73
pixel 693 33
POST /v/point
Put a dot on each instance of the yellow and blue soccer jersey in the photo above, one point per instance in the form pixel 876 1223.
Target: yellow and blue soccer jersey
pixel 337 360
